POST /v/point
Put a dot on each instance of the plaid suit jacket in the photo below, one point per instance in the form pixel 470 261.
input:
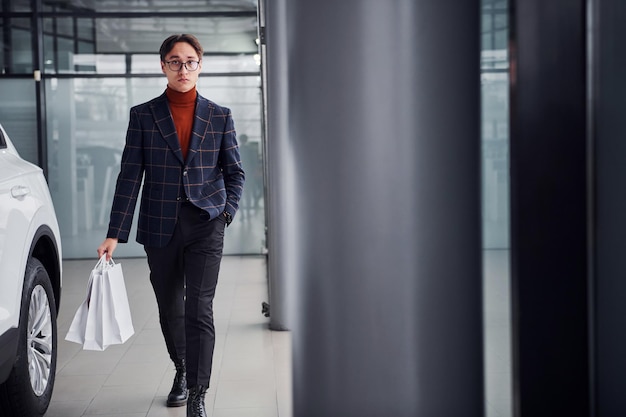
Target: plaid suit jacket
pixel 211 177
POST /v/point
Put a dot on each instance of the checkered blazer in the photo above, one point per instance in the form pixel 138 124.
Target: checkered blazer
pixel 211 178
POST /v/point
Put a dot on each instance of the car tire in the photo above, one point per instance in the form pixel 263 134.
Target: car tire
pixel 28 390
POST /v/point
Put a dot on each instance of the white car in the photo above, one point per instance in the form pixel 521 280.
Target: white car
pixel 30 286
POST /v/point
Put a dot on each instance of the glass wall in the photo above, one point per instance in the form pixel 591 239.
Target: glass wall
pixel 96 65
pixel 495 189
pixel 495 124
pixel 18 115
pixel 17 40
pixel 18 103
pixel 16 5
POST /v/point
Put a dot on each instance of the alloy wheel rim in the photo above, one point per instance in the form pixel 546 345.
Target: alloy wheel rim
pixel 39 340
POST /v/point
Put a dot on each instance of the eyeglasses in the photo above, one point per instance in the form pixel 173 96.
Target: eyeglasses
pixel 177 65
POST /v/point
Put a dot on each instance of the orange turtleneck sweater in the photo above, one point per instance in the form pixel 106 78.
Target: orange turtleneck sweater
pixel 182 107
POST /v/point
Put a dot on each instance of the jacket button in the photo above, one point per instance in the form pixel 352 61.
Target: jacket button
pixel 185 173
pixel 177 198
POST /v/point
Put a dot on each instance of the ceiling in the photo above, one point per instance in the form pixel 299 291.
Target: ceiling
pixel 158 6
pixel 222 26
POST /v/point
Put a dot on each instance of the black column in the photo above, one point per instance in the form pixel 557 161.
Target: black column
pixel 549 208
pixel 40 90
pixel 609 58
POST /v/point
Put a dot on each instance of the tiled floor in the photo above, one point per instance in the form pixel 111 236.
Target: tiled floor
pixel 497 327
pixel 252 365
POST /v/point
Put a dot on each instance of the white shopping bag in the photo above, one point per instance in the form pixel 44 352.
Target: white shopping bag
pixel 103 319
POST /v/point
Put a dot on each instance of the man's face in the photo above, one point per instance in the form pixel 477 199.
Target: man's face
pixel 182 80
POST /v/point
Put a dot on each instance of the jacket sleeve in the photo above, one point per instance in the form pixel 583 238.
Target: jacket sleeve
pixel 230 163
pixel 128 181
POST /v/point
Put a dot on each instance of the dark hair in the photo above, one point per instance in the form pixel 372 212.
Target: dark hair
pixel 168 44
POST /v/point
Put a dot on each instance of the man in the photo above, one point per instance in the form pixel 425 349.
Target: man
pixel 184 148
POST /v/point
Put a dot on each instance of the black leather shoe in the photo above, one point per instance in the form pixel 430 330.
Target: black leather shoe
pixel 178 395
pixel 195 402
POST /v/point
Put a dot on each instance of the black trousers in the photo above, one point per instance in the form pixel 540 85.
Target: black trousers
pixel 184 276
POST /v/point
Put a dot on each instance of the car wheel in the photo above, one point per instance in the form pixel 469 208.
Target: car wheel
pixel 28 390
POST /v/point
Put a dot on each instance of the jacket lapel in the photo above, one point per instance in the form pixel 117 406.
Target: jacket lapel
pixel 165 123
pixel 200 125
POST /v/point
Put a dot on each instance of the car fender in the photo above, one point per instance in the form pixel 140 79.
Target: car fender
pixel 42 224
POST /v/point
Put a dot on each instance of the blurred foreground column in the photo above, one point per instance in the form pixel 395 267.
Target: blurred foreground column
pixel 383 123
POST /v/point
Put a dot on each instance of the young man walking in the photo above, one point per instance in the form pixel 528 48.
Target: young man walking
pixel 184 149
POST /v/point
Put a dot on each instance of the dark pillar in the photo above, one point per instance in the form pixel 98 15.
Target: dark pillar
pixel 609 58
pixel 384 112
pixel 549 208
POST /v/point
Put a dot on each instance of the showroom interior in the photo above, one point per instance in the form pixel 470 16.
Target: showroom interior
pixel 433 189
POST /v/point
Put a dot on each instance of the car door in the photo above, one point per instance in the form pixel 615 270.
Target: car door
pixel 16 211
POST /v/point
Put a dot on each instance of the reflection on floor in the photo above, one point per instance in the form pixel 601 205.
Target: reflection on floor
pixel 252 369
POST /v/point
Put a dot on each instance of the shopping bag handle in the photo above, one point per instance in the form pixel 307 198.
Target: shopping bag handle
pixel 103 263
